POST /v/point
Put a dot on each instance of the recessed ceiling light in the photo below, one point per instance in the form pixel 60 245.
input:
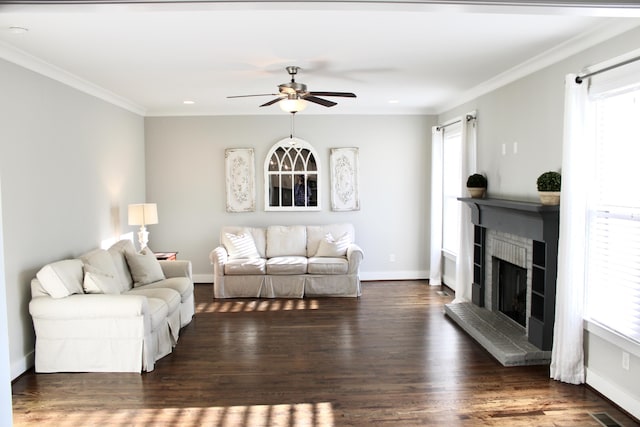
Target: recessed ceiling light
pixel 18 30
pixel 188 102
pixel 393 101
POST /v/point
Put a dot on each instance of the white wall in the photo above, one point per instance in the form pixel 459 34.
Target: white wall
pixel 6 414
pixel 185 176
pixel 529 111
pixel 69 165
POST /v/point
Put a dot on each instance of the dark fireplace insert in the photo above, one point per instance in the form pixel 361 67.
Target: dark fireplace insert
pixel 512 291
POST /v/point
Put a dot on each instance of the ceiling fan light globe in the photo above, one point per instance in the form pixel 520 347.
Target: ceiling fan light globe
pixel 292 105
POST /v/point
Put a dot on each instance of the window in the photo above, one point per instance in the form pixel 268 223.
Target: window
pixel 291 177
pixel 451 185
pixel 613 216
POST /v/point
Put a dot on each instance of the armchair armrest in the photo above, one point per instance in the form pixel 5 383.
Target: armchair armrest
pixel 177 268
pixel 355 255
pixel 218 258
pixel 88 306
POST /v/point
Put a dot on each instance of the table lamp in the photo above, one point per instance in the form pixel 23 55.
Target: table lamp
pixel 143 214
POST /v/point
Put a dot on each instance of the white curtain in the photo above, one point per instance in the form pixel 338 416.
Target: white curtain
pixel 435 265
pixel 464 259
pixel 567 356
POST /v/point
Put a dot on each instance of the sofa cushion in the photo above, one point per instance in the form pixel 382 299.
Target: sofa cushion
pixel 245 266
pixel 285 241
pixel 117 252
pixel 101 263
pixel 240 246
pixel 169 296
pixel 62 278
pixel 287 265
pixel 144 267
pixel 315 233
pixel 324 265
pixel 97 281
pixel 181 285
pixel 333 248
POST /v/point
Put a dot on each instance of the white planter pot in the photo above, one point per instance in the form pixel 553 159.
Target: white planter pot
pixel 549 198
pixel 476 192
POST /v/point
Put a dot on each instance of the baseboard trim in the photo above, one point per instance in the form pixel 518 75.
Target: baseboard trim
pixel 611 391
pixel 202 278
pixel 394 275
pixel 22 365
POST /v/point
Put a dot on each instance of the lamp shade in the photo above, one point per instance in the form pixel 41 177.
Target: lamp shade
pixel 292 105
pixel 143 214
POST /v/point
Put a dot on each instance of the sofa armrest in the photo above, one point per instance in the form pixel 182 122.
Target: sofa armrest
pixel 218 258
pixel 177 268
pixel 355 255
pixel 88 306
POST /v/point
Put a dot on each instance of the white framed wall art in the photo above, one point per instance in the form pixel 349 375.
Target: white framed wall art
pixel 344 179
pixel 240 179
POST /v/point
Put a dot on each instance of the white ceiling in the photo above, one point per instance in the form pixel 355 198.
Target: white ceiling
pixel 423 56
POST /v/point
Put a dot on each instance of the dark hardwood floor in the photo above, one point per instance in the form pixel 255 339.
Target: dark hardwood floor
pixel 390 358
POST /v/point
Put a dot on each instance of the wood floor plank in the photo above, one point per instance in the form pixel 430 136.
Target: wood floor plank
pixel 389 358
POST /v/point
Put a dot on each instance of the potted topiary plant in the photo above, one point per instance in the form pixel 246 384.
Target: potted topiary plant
pixel 549 188
pixel 477 185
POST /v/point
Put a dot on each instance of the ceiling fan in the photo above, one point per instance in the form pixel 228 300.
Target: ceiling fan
pixel 292 93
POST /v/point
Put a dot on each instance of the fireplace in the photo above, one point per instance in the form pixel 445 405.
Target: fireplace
pixel 516 244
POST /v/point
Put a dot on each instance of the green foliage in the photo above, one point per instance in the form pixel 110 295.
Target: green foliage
pixel 477 181
pixel 549 181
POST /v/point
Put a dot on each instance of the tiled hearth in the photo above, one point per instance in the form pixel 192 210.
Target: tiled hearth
pixel 498 335
pixel 526 235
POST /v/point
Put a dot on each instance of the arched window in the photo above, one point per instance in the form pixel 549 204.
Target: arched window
pixel 291 176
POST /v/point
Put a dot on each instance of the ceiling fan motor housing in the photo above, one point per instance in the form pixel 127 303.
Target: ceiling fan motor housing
pixel 293 88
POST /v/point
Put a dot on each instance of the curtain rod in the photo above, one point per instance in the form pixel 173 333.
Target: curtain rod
pixel 580 78
pixel 468 118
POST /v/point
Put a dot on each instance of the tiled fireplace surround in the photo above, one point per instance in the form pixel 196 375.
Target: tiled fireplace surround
pixel 524 234
pixel 508 247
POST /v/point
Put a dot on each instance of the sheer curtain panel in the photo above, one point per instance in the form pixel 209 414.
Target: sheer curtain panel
pixel 567 355
pixel 464 260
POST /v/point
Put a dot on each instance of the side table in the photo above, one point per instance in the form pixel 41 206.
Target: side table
pixel 166 256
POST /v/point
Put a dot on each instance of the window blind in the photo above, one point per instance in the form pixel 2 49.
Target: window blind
pixel 613 217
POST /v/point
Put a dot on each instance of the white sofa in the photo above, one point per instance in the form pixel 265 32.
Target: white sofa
pixel 287 262
pixel 112 310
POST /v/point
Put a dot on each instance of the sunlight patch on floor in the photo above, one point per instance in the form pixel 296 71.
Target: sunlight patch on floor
pixel 285 415
pixel 257 305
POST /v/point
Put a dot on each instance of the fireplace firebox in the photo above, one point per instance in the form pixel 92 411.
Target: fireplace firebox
pixel 512 290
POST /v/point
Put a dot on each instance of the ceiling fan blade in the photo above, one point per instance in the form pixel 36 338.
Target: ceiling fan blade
pixel 247 96
pixel 320 101
pixel 273 101
pixel 343 94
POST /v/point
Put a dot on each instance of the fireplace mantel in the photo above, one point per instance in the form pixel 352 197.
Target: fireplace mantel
pixel 533 221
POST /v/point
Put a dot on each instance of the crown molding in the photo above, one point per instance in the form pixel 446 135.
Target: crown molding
pixel 569 48
pixel 46 69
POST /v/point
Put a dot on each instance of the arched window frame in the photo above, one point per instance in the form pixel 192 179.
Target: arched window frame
pixel 302 157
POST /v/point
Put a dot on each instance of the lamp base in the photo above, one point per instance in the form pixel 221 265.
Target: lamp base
pixel 143 237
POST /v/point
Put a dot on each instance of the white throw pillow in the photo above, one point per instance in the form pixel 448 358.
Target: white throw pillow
pixel 62 278
pixel 329 247
pixel 240 246
pixel 144 267
pixel 100 261
pixel 99 282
